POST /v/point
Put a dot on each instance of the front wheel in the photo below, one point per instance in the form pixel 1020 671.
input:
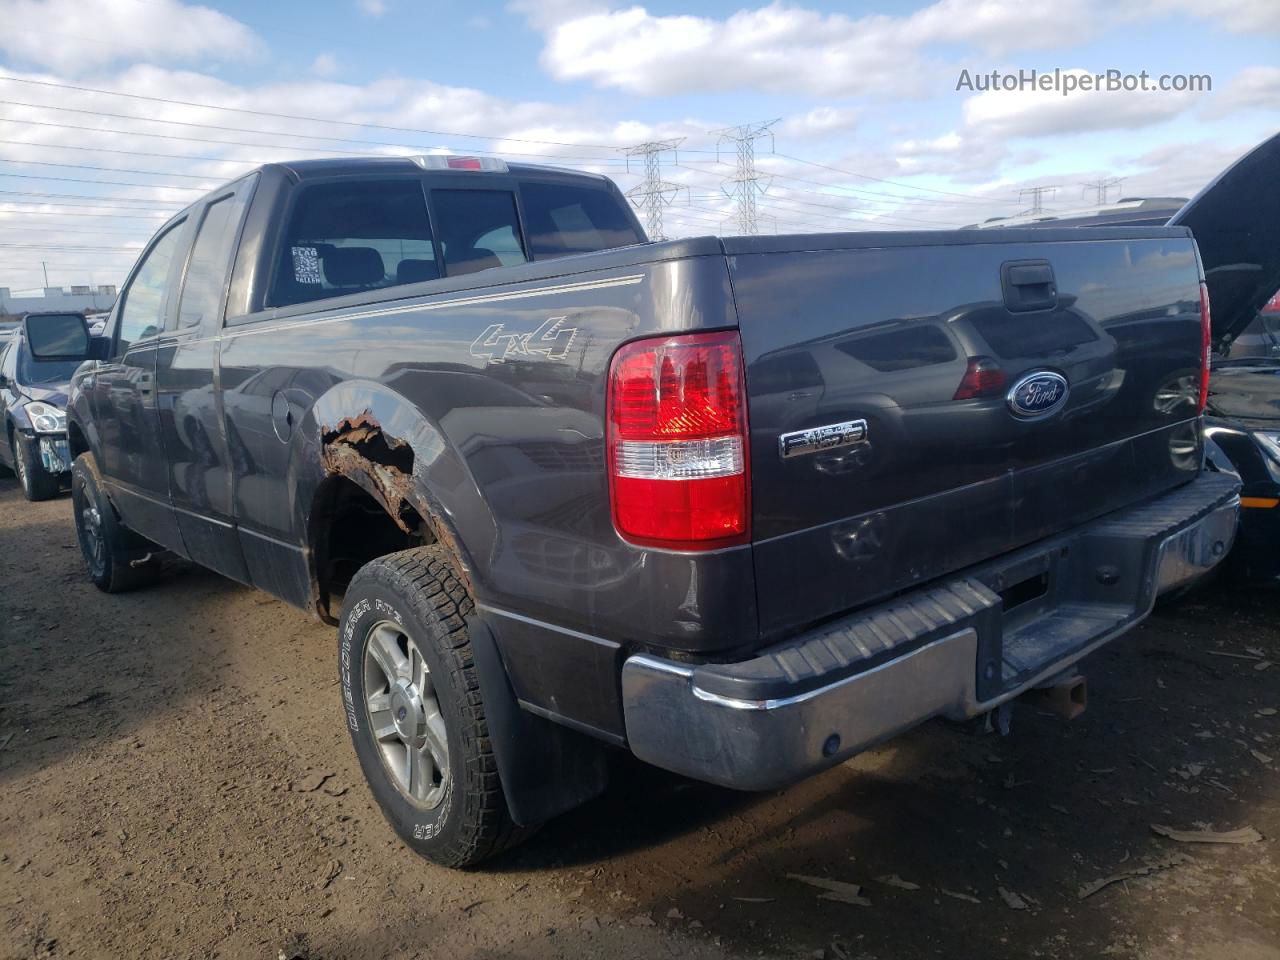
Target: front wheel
pixel 112 552
pixel 414 708
pixel 37 482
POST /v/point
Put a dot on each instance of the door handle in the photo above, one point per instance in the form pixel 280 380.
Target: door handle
pixel 1028 285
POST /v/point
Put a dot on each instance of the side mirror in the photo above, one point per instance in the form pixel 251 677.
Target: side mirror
pixel 57 336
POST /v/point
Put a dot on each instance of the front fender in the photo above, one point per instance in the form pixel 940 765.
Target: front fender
pixel 363 430
pixel 80 416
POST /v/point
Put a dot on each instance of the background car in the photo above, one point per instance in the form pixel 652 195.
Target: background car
pixel 33 397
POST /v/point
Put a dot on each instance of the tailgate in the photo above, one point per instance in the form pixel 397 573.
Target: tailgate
pixel 984 391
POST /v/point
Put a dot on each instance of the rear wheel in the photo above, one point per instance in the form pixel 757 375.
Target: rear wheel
pixel 110 549
pixel 414 708
pixel 37 482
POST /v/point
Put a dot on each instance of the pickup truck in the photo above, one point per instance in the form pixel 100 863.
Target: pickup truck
pixel 743 507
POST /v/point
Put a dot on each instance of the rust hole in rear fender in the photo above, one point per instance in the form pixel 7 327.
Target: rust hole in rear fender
pixel 357 448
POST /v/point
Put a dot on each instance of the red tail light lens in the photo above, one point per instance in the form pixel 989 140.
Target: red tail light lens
pixel 981 378
pixel 1206 345
pixel 678 442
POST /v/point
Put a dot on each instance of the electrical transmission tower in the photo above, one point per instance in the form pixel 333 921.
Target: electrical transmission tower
pixel 653 194
pixel 1103 186
pixel 1037 197
pixel 746 184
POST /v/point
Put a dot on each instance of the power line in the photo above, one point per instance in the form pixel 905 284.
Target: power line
pixel 139 233
pixel 864 176
pixel 78 213
pixel 85 166
pixel 653 193
pixel 418 148
pixel 128 153
pixel 746 183
pixel 289 116
pixel 93 200
pixel 110 183
pixel 817 193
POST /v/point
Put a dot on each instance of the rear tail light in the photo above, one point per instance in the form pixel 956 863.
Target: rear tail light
pixel 981 378
pixel 1206 344
pixel 1272 305
pixel 678 442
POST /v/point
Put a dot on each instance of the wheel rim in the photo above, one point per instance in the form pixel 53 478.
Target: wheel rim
pixel 404 715
pixel 92 542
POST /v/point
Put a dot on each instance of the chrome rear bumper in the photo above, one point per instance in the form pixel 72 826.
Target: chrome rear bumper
pixel 950 650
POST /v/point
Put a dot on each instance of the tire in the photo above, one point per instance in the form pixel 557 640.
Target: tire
pixel 108 548
pixel 452 810
pixel 37 482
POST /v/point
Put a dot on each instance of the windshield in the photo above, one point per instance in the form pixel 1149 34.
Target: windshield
pixel 33 371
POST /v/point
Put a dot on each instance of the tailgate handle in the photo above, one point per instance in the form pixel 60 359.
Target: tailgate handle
pixel 1028 285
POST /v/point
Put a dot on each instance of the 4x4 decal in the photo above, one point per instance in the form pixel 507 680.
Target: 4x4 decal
pixel 552 340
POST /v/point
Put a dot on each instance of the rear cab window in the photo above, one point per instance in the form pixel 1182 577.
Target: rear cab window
pixel 561 219
pixel 478 229
pixel 350 236
pixel 353 235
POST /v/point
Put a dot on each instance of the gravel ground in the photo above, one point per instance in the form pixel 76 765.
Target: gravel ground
pixel 176 781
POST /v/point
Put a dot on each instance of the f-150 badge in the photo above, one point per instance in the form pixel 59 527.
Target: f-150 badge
pixel 822 438
pixel 552 341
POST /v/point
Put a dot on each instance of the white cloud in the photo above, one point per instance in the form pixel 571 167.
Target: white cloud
pixel 1251 88
pixel 324 65
pixel 1235 16
pixel 1176 169
pixel 372 8
pixel 1037 113
pixel 115 31
pixel 787 48
pixel 818 122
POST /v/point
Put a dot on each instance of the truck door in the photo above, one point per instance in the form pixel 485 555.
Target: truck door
pixel 123 394
pixel 190 406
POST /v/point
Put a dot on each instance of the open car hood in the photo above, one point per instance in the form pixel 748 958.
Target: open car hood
pixel 1236 223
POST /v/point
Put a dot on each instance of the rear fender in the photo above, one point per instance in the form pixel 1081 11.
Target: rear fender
pixel 379 440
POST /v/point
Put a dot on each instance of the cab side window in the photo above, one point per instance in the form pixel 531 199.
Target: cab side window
pixel 351 236
pixel 143 300
pixel 210 258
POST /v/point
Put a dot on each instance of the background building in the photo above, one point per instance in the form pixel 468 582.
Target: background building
pixel 85 298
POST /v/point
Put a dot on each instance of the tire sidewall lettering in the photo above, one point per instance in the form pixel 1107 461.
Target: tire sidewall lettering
pixel 421 825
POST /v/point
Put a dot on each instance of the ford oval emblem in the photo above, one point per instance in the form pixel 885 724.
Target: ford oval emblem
pixel 1038 394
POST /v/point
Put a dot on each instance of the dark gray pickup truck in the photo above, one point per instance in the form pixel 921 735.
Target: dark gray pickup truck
pixel 743 507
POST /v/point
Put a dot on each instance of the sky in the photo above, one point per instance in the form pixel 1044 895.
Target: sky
pixel 116 113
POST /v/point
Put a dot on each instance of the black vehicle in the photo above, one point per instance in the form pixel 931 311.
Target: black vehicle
pixel 1242 424
pixel 34 374
pixel 741 506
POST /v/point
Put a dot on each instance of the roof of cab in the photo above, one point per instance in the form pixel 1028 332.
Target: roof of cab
pixel 340 166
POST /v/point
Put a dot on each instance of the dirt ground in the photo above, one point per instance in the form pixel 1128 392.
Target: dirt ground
pixel 176 781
